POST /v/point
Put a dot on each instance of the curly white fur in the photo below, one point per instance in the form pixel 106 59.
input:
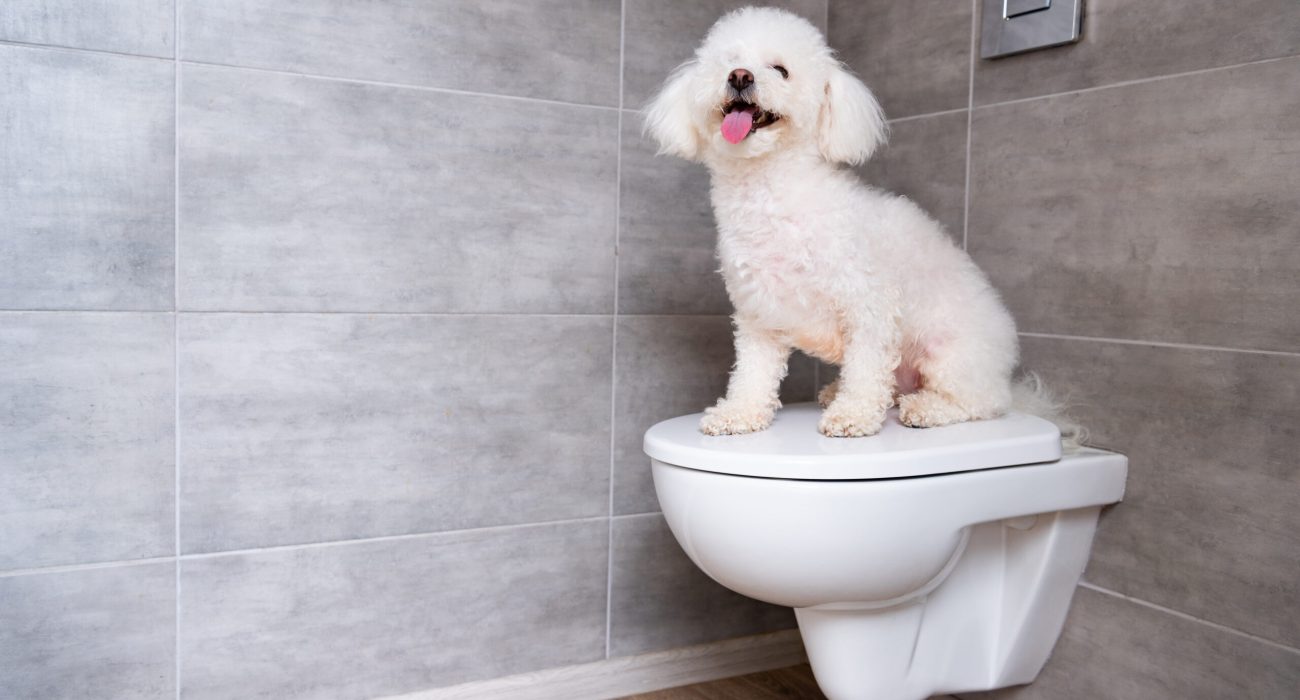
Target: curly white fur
pixel 814 259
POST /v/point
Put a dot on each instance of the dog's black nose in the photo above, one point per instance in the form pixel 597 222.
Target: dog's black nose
pixel 740 79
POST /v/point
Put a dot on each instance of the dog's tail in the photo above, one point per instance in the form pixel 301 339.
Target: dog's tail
pixel 1030 395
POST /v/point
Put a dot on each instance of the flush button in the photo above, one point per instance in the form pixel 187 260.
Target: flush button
pixel 1014 26
pixel 1015 8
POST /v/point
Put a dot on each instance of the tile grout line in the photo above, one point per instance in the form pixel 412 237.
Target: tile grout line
pixel 970 118
pixel 254 312
pixel 629 516
pixel 70 568
pixel 1191 618
pixel 456 91
pixel 317 76
pixel 1158 344
pixel 76 49
pixel 404 86
pixel 388 538
pixel 940 113
pixel 488 529
pixel 176 328
pixel 1137 81
pixel 613 349
pixel 87 311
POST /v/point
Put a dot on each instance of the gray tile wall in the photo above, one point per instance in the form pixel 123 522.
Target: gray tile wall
pixel 328 334
pixel 91 633
pixel 88 187
pixel 1134 198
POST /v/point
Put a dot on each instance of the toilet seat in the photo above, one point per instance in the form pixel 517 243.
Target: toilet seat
pixel 792 448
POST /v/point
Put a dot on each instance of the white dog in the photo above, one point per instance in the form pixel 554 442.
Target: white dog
pixel 813 258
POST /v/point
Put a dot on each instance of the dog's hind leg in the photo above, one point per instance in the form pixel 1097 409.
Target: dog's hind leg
pixel 827 393
pixel 960 381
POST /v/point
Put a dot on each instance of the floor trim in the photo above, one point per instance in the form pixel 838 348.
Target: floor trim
pixel 629 675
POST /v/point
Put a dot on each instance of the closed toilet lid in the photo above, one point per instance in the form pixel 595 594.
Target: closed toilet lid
pixel 793 449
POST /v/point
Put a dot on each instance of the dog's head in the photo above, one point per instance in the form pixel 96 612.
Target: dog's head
pixel 765 80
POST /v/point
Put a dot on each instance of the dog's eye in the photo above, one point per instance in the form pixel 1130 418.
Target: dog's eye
pixel 781 69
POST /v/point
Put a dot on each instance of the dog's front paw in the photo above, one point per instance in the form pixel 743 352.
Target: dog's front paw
pixel 731 419
pixel 849 421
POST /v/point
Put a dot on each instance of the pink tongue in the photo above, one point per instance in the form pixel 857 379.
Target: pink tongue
pixel 736 125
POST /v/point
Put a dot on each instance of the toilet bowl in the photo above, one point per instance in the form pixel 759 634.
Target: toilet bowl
pixel 918 562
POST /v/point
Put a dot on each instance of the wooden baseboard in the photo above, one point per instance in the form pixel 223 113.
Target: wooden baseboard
pixel 629 675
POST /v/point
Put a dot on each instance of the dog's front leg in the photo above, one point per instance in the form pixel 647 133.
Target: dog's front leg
pixel 865 387
pixel 752 393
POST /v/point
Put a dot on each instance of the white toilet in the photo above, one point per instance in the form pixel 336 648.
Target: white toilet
pixel 918 562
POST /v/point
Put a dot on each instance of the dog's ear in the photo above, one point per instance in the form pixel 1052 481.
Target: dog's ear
pixel 851 124
pixel 668 117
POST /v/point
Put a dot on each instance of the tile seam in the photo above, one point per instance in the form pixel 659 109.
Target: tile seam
pixel 645 514
pixel 88 311
pixel 74 49
pixel 488 529
pixel 233 312
pixel 925 115
pixel 89 566
pixel 116 563
pixel 192 312
pixel 403 86
pixel 364 81
pixel 1191 618
pixel 613 349
pixel 1158 344
pixel 319 76
pixel 176 332
pixel 1136 81
pixel 970 111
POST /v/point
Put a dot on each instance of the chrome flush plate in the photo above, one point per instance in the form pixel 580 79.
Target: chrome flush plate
pixel 1016 26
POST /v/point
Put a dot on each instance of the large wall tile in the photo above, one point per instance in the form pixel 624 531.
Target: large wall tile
pixel 1147 211
pixel 667 237
pixel 660 34
pixel 554 49
pixel 668 366
pixel 96 633
pixel 309 194
pixel 1133 39
pixel 914 55
pixel 1113 648
pixel 324 427
pixel 86 189
pixel 926 161
pixel 661 600
pixel 87 451
pixel 124 26
pixel 378 618
pixel 1210 522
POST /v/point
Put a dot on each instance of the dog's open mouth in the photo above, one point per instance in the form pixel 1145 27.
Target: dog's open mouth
pixel 741 118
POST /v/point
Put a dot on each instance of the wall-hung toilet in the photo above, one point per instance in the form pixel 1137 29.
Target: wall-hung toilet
pixel 918 561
